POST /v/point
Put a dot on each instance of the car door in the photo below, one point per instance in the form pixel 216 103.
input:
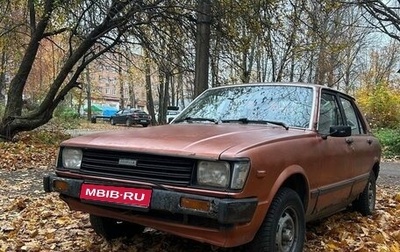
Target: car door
pixel 363 145
pixel 119 118
pixel 332 186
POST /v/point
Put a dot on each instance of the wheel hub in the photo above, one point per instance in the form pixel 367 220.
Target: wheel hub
pixel 371 196
pixel 286 232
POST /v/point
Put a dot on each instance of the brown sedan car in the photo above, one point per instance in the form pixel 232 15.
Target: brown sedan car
pixel 241 165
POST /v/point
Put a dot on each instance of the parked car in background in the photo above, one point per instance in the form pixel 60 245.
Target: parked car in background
pixel 172 112
pixel 130 117
pixel 241 165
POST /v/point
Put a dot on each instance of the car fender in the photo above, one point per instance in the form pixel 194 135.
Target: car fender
pixel 266 199
pixel 283 177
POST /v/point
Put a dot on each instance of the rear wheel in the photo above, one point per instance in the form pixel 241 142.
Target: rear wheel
pixel 365 204
pixel 110 228
pixel 283 228
pixel 128 122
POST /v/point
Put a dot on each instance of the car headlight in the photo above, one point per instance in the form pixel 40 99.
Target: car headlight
pixel 71 158
pixel 220 174
pixel 213 173
pixel 239 175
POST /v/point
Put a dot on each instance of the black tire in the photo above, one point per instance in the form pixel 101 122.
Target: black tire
pixel 145 125
pixel 283 228
pixel 365 203
pixel 112 229
pixel 112 121
pixel 128 122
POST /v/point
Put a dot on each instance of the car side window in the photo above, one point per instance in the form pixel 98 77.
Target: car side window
pixel 329 113
pixel 351 117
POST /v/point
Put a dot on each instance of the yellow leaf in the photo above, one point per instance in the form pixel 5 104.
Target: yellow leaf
pixel 396 235
pixel 397 197
pixel 395 247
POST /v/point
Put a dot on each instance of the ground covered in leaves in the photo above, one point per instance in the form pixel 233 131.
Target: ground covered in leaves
pixel 31 220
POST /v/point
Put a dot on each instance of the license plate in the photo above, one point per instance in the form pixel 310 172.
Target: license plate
pixel 143 121
pixel 116 195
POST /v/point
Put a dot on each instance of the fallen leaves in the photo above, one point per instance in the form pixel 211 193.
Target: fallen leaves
pixel 44 223
pixel 349 231
pixel 29 152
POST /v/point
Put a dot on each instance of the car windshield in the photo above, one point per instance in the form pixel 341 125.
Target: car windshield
pixel 276 104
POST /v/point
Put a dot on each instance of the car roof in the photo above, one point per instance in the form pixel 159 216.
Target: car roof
pixel 136 110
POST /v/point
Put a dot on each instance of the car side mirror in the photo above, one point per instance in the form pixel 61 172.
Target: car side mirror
pixel 338 131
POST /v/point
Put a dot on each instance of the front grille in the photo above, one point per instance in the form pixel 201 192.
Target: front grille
pixel 148 168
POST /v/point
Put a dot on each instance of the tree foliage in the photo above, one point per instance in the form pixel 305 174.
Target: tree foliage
pixel 379 95
pixel 89 30
pixel 381 104
pixel 45 46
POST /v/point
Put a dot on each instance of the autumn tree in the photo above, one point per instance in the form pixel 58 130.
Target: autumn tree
pixel 89 36
pixel 385 16
pixel 170 47
pixel 307 41
pixel 379 95
pixel 11 40
pixel 41 27
pixel 203 23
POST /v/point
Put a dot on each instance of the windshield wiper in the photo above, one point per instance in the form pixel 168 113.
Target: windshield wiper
pixel 199 119
pixel 245 120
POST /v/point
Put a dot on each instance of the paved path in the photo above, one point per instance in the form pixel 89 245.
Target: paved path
pixel 389 175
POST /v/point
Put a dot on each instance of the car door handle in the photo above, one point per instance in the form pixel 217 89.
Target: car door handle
pixel 349 140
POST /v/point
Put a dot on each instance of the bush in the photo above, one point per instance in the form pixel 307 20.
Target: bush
pixel 390 140
pixel 381 104
pixel 65 113
pixel 66 116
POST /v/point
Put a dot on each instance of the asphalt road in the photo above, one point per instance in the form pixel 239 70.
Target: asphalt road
pixel 390 169
pixel 389 174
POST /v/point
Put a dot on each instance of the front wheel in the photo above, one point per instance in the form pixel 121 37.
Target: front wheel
pixel 112 122
pixel 365 203
pixel 111 229
pixel 283 228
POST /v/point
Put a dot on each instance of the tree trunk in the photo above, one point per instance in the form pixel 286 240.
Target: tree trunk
pixel 88 95
pixel 121 84
pixel 149 91
pixel 132 98
pixel 202 46
pixel 2 76
pixel 161 116
pixel 12 122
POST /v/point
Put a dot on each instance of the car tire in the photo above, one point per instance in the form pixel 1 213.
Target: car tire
pixel 283 228
pixel 145 125
pixel 111 229
pixel 128 122
pixel 365 203
pixel 112 122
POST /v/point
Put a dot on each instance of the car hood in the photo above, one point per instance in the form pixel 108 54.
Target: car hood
pixel 190 140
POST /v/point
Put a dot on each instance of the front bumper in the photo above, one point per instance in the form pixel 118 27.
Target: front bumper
pixel 225 211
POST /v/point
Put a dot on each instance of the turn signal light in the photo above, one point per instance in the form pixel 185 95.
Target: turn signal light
pixel 199 205
pixel 60 186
